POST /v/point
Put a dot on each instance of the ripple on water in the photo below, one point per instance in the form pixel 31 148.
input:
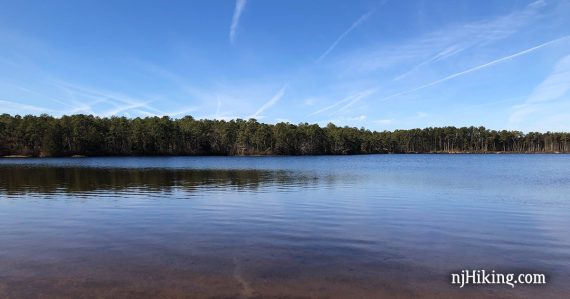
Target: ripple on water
pixel 335 227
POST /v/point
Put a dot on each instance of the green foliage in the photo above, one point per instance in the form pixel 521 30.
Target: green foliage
pixel 90 135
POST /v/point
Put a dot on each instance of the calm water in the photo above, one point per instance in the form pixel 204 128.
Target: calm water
pixel 379 226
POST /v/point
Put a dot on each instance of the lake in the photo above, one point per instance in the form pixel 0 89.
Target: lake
pixel 371 226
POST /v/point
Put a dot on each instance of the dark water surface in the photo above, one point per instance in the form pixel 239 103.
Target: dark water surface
pixel 378 226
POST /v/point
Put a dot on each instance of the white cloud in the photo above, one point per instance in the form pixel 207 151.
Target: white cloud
pixel 283 120
pixel 17 108
pixel 347 101
pixel 218 107
pixel 383 121
pixel 421 114
pixel 240 5
pixel 336 104
pixel 309 101
pixel 547 96
pixel 449 51
pixel 269 103
pixel 476 68
pixel 442 44
pixel 87 97
pixel 354 25
pixel 181 112
pixel 555 85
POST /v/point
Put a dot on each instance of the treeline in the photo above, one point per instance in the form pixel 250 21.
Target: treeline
pixel 90 135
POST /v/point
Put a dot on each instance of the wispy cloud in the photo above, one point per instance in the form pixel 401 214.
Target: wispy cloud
pixel 218 107
pixel 383 121
pixel 117 109
pixel 181 112
pixel 240 5
pixel 357 98
pixel 42 95
pixel 447 52
pixel 346 102
pixel 442 44
pixel 269 103
pixel 282 120
pixel 349 120
pixel 554 87
pixel 354 25
pixel 89 97
pixel 421 114
pixel 476 68
pixel 17 108
pixel 220 100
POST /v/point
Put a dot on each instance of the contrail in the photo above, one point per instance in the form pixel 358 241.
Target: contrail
pixel 240 5
pixel 344 34
pixel 270 103
pixel 476 68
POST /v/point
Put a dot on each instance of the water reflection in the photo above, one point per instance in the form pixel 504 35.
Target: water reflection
pixel 275 227
pixel 47 180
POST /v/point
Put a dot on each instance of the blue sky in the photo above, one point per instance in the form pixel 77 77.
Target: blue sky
pixel 375 64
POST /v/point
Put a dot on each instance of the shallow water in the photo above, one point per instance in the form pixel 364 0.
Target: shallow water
pixel 392 226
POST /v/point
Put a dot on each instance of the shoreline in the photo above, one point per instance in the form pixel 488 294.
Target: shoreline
pixel 271 155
